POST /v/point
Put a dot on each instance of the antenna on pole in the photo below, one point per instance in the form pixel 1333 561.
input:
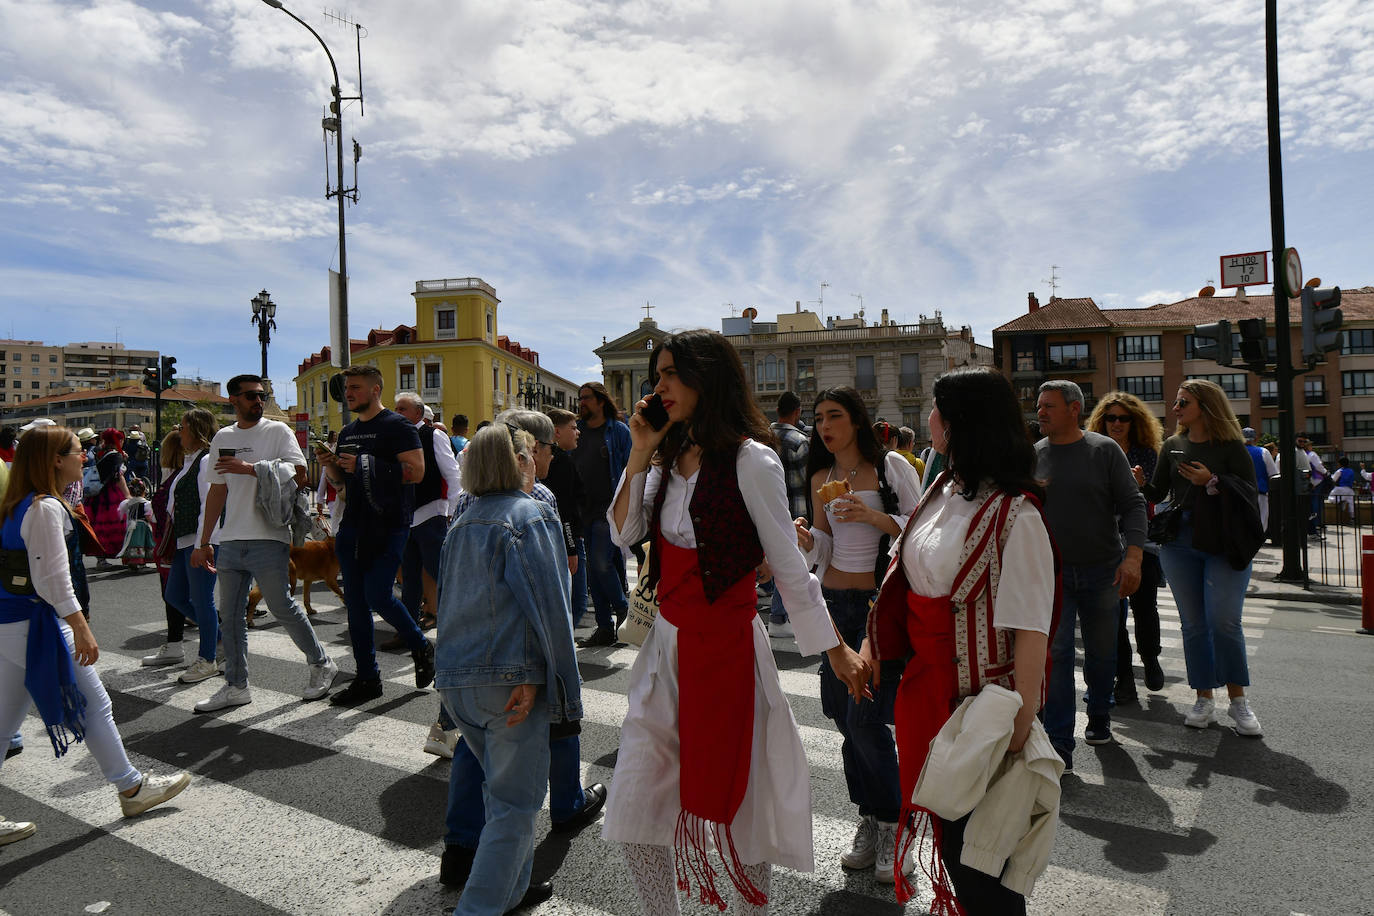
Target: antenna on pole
pixel 860 297
pixel 1053 281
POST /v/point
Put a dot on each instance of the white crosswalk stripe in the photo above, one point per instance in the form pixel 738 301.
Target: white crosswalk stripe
pixel 221 823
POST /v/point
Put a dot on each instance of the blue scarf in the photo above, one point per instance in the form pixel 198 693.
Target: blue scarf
pixel 50 670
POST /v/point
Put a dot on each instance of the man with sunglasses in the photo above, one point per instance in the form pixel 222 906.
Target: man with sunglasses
pixel 251 546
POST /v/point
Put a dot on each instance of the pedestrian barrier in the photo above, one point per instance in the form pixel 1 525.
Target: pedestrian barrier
pixel 1335 555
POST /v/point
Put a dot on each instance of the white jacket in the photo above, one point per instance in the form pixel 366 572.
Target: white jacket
pixel 1014 797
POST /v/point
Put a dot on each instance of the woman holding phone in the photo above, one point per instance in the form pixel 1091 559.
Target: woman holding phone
pixel 1207 445
pixel 850 534
pixel 709 751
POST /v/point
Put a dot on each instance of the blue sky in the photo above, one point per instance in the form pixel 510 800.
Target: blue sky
pixel 162 162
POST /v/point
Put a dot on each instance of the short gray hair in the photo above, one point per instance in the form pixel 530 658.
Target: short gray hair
pixel 411 396
pixel 906 437
pixel 533 422
pixel 1067 389
pixel 489 461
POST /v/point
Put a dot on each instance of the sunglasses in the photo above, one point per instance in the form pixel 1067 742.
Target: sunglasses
pixel 1117 417
pixel 253 395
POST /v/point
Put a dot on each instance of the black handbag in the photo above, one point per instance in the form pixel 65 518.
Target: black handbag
pixel 14 573
pixel 1163 528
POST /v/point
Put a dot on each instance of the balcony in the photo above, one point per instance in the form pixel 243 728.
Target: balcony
pixel 1311 399
pixel 1269 400
pixel 1073 364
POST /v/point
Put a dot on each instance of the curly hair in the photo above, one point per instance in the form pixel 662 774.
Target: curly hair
pixel 1146 430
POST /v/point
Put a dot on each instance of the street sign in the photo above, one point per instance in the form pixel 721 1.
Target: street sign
pixel 1292 273
pixel 1250 269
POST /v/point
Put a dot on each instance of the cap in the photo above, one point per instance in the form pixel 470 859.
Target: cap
pixel 34 424
pixel 429 412
pixel 1248 432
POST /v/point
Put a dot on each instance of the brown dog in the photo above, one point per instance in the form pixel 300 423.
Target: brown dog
pixel 313 560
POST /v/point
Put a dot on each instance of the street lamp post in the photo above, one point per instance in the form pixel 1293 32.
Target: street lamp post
pixel 264 315
pixel 343 355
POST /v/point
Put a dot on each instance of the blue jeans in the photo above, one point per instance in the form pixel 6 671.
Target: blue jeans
pixel 603 576
pixel 239 563
pixel 868 750
pixel 579 584
pixel 370 589
pixel 465 818
pixel 777 613
pixel 191 590
pixel 1091 599
pixel 421 555
pixel 1210 596
pixel 515 762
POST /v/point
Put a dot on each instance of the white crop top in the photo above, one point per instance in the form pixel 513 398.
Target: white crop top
pixel 855 547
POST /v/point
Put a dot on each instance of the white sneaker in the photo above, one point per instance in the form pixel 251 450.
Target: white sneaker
pixel 781 630
pixel 220 661
pixel 154 791
pixel 1200 716
pixel 171 653
pixel 226 696
pixel 1246 721
pixel 441 743
pixel 200 670
pixel 864 850
pixel 14 831
pixel 887 855
pixel 321 679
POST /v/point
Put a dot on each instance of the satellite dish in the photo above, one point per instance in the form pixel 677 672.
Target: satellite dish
pixel 1314 282
pixel 751 313
pixel 1207 292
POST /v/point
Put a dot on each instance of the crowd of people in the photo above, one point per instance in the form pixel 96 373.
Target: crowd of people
pixel 955 698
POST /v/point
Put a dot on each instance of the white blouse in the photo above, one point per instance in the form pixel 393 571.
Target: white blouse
pixel 930 558
pixel 45 529
pixel 764 489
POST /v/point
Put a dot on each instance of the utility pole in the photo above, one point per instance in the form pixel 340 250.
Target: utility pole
pixel 1293 527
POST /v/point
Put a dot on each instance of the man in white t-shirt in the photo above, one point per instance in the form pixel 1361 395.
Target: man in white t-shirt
pixel 252 547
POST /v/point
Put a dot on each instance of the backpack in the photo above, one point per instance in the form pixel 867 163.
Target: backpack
pixel 138 450
pixel 891 506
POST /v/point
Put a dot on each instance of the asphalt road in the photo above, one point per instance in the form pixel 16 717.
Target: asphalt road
pixel 304 808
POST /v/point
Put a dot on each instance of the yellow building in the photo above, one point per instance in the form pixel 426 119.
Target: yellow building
pixel 453 356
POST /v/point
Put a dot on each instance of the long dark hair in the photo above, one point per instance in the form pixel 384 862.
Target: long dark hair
pixel 987 434
pixel 608 409
pixel 819 457
pixel 725 411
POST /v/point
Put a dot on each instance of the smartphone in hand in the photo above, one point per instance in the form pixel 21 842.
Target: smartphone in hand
pixel 655 413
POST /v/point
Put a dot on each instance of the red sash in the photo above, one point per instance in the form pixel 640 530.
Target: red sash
pixel 715 647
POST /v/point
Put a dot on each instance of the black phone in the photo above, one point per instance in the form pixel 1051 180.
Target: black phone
pixel 655 413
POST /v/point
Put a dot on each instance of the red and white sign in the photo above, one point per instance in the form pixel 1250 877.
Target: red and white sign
pixel 1250 269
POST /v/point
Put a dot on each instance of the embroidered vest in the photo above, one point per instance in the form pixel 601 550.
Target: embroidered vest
pixel 984 654
pixel 727 542
pixel 186 505
pixel 431 486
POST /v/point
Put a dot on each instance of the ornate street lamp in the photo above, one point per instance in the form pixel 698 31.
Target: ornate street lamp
pixel 264 313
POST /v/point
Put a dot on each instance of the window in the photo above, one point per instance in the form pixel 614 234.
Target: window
pixel 34 385
pixel 771 373
pixel 1136 347
pixel 1069 356
pixel 507 383
pixel 1314 390
pixel 34 370
pixel 52 357
pixel 806 375
pixel 16 384
pixel 1145 387
pixel 1269 426
pixel 911 372
pixel 1357 383
pixel 446 324
pixel 16 356
pixel 495 379
pixel 491 322
pixel 432 375
pixel 18 370
pixel 52 372
pixel 1026 355
pixel 33 357
pixel 324 391
pixel 863 373
pixel 1269 392
pixel 1359 424
pixel 1353 342
pixel 405 378
pixel 1243 419
pixel 911 419
pixel 1233 384
pixel 1315 429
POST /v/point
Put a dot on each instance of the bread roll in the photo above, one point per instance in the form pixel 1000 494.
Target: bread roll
pixel 833 490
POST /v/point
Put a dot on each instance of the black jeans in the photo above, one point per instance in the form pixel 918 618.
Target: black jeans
pixel 979 893
pixel 1145 609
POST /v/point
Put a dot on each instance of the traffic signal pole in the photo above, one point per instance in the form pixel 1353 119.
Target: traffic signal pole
pixel 1294 526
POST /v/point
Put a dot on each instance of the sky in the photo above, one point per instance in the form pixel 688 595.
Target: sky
pixel 161 162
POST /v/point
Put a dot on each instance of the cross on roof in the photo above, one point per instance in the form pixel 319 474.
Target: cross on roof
pixel 647 307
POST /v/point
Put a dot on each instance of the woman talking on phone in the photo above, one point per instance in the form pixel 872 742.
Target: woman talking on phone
pixel 1206 447
pixel 709 751
pixel 861 495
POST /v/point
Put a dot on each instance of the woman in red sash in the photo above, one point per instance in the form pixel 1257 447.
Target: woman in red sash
pixel 978 526
pixel 710 756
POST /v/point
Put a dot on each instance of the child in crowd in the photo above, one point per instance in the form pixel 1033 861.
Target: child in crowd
pixel 138 536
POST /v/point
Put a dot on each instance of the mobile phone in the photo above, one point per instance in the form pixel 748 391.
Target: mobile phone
pixel 655 413
pixel 1176 452
pixel 228 452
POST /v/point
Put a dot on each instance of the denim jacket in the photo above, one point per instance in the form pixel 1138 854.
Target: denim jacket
pixel 504 602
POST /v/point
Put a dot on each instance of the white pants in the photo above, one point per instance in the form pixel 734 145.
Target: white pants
pixel 102 737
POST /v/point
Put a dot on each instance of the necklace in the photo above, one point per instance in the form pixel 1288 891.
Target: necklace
pixel 854 471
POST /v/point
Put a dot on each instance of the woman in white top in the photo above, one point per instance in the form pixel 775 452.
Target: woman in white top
pixel 46 647
pixel 978 527
pixel 709 751
pixel 849 538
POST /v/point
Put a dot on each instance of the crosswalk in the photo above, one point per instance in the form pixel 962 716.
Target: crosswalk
pixel 305 808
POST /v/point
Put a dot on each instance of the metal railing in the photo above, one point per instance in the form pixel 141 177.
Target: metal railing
pixel 1333 555
pixel 456 283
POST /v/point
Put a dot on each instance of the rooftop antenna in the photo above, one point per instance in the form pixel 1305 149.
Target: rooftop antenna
pixel 820 300
pixel 860 297
pixel 333 119
pixel 732 308
pixel 1053 281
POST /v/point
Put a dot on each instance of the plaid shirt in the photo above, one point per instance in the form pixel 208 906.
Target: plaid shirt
pixel 793 448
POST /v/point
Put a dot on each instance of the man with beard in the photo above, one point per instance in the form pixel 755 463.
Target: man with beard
pixel 600 456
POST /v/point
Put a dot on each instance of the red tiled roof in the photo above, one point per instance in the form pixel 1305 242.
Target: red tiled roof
pixel 1059 313
pixel 129 391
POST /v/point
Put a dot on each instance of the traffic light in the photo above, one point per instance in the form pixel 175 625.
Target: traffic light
pixel 150 379
pixel 169 372
pixel 1321 321
pixel 1213 341
pixel 1254 343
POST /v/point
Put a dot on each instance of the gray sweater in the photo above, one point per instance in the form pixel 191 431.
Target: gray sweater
pixel 1088 487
